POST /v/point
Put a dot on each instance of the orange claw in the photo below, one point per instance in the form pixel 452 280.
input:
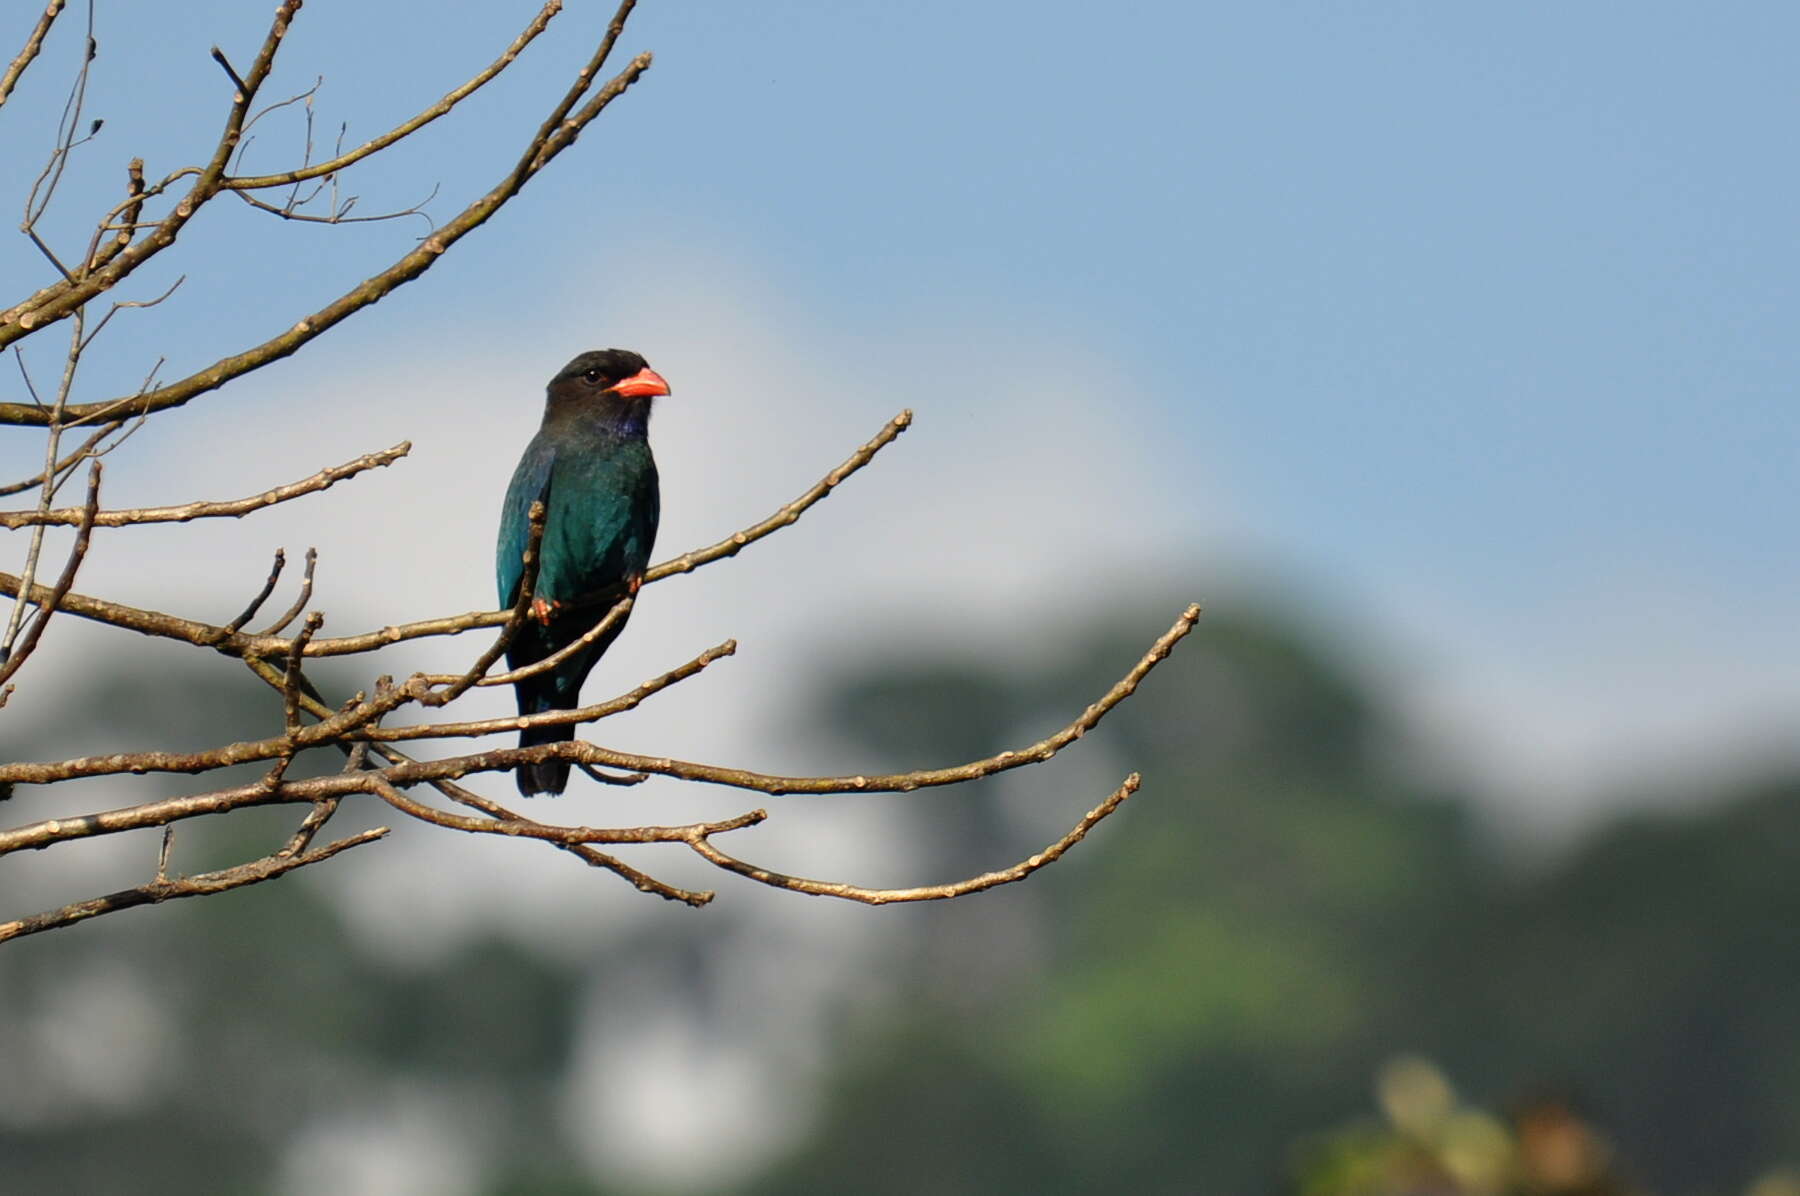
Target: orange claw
pixel 542 609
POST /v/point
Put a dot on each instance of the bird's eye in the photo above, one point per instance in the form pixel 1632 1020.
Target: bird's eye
pixel 592 376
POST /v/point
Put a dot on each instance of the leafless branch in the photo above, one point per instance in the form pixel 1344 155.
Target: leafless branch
pixel 130 304
pixel 236 508
pixel 340 213
pixel 167 626
pixel 33 44
pixel 344 724
pixel 612 618
pixel 556 718
pixel 734 543
pixel 555 136
pixel 122 221
pixel 702 844
pixel 300 600
pixel 46 494
pixel 290 683
pixel 147 221
pixel 262 595
pixel 13 658
pixel 43 188
pixel 64 299
pixel 67 463
pixel 408 128
pixel 202 885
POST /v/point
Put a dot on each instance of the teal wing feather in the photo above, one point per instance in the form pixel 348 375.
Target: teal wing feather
pixel 530 483
pixel 603 517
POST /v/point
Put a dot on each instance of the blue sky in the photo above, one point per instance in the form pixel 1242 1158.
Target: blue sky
pixel 1471 327
pixel 1474 326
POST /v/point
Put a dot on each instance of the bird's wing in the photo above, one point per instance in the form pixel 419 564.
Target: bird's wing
pixel 530 483
pixel 603 516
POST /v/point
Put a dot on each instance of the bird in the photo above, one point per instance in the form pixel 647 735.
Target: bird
pixel 590 465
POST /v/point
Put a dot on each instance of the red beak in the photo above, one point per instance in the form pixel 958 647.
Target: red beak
pixel 643 384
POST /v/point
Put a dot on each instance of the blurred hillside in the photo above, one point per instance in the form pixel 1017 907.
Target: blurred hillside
pixel 1199 999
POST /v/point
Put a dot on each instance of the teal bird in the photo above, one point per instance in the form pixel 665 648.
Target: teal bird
pixel 590 465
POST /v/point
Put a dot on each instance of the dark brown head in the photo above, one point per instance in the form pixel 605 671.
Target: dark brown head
pixel 614 385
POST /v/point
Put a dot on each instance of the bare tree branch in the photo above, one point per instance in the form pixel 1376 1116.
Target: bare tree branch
pixel 68 297
pixel 344 723
pixel 290 682
pixel 202 885
pixel 262 595
pixel 67 463
pixel 47 492
pixel 555 136
pixel 340 212
pixel 156 623
pixel 734 543
pixel 133 231
pixel 33 44
pixel 300 600
pixel 987 880
pixel 12 659
pixel 643 882
pixel 555 718
pixel 236 508
pixel 402 131
pixel 613 616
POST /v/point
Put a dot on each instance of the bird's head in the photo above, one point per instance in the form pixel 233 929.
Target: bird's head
pixel 608 378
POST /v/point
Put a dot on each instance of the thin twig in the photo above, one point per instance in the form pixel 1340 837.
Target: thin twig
pixel 401 131
pixel 43 189
pixel 344 724
pixel 614 615
pixel 734 543
pixel 553 138
pixel 339 214
pixel 267 643
pixel 900 782
pixel 290 685
pixel 202 885
pixel 33 44
pixel 67 463
pixel 525 828
pixel 62 299
pixel 236 508
pixel 127 219
pixel 555 718
pixel 702 844
pixel 456 686
pixel 262 596
pixel 642 881
pixel 300 600
pixel 353 723
pixel 131 304
pixel 237 80
pixel 11 660
pixel 47 492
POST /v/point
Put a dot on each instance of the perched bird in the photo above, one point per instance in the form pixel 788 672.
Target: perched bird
pixel 590 465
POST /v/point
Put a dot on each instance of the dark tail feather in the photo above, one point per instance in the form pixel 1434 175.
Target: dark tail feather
pixel 549 777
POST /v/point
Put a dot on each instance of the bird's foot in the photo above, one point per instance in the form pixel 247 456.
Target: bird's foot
pixel 633 585
pixel 542 609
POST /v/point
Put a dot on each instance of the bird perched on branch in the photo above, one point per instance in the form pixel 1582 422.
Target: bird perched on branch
pixel 590 465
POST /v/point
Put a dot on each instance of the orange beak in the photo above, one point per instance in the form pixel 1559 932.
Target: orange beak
pixel 643 384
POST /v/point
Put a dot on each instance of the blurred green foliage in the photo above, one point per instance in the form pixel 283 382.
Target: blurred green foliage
pixel 1281 910
pixel 1195 1001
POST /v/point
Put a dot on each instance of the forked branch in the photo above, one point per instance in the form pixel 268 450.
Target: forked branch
pixel 367 726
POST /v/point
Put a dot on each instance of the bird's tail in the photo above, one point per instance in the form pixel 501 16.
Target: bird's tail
pixel 546 778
